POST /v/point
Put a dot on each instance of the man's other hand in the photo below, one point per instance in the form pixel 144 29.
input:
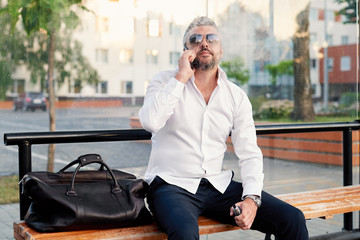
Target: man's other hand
pixel 248 213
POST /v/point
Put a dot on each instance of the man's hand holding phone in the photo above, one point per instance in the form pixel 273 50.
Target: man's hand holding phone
pixel 247 212
pixel 185 69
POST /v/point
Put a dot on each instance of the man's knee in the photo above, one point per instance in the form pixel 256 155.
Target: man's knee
pixel 295 216
pixel 294 223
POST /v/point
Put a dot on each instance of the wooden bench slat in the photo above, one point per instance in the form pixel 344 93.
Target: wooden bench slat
pixel 330 208
pixel 314 204
pixel 325 203
pixel 148 232
pixel 322 199
pixel 321 195
pixel 335 190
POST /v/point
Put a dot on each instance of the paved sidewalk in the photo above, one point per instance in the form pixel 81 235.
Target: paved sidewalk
pixel 280 177
pixel 9 213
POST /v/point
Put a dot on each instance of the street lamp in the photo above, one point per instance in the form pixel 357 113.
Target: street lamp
pixel 326 77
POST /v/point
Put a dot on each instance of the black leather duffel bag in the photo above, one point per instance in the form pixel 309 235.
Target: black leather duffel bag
pixel 78 200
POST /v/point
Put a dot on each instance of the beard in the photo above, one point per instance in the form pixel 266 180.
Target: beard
pixel 205 65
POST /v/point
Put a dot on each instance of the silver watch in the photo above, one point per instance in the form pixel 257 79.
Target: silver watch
pixel 255 198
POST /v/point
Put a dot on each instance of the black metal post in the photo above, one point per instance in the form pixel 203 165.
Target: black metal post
pixel 24 168
pixel 347 172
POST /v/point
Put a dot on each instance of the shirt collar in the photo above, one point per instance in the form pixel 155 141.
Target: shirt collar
pixel 222 78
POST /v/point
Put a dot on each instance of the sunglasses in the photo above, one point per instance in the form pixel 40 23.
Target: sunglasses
pixel 196 38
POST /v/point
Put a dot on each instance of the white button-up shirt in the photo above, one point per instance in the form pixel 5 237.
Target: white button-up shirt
pixel 189 136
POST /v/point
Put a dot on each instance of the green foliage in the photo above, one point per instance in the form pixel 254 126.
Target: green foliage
pixel 348 99
pixel 274 109
pixel 282 68
pixel 235 68
pixel 256 102
pixel 72 65
pixel 349 11
pixel 45 15
pixel 30 47
pixel 5 78
pixel 12 53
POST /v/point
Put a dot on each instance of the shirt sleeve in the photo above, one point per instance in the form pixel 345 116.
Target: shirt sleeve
pixel 245 146
pixel 162 96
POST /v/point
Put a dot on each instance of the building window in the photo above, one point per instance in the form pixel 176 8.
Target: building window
pixel 126 56
pixel 344 40
pixel 330 40
pixel 321 14
pixel 102 24
pixel 345 63
pixel 174 57
pixel 314 14
pixel 330 15
pixel 313 63
pixel 153 28
pixel 102 87
pixel 18 86
pixel 259 65
pixel 174 29
pixel 337 16
pixel 330 64
pixel 101 55
pixel 152 56
pixel 77 86
pixel 126 87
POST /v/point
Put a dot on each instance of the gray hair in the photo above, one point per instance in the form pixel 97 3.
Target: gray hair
pixel 198 21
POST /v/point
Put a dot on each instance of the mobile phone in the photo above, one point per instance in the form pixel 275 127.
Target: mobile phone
pixel 237 210
pixel 194 64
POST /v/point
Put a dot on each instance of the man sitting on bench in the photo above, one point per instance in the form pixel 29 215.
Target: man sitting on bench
pixel 191 111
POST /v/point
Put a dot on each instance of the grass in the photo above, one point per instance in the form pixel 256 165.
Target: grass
pixel 9 189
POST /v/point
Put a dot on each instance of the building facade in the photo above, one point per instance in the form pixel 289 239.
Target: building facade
pixel 128 44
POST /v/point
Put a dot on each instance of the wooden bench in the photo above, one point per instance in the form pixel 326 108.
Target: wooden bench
pixel 314 204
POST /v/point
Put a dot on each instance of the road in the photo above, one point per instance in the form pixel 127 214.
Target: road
pixel 116 154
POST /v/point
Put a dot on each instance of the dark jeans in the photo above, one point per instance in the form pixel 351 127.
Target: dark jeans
pixel 177 210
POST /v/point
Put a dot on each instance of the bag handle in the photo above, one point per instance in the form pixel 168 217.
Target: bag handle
pixel 90 158
pixel 85 160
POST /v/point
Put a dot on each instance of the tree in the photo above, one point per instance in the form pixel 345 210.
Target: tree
pixel 44 21
pixel 303 106
pixel 349 11
pixel 285 67
pixel 11 53
pixel 235 68
pixel 5 78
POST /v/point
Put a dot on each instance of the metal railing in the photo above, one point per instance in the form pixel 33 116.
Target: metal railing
pixel 25 140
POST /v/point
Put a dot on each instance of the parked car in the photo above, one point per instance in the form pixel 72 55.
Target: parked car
pixel 30 101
